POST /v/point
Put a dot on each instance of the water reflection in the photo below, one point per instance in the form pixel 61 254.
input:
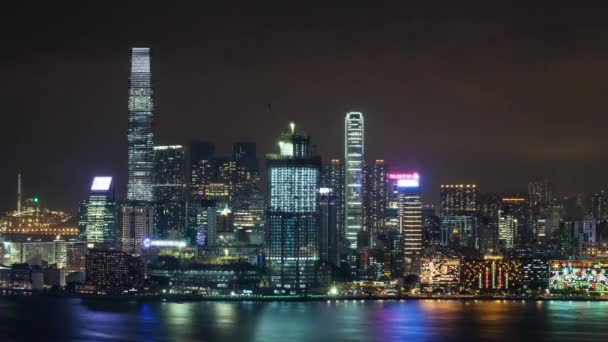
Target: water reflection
pixel 424 320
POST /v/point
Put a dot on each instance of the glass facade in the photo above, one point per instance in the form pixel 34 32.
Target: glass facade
pixel 353 155
pixel 140 134
pixel 291 233
pixel 169 193
pixel 100 216
pixel 410 226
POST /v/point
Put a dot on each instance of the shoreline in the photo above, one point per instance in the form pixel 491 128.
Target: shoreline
pixel 308 298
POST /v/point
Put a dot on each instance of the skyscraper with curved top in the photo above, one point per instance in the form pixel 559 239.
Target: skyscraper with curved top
pixel 140 135
pixel 353 156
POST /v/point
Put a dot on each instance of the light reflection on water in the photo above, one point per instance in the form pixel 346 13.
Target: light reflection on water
pixel 424 320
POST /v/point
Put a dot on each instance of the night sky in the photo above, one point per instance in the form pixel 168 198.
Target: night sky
pixel 492 95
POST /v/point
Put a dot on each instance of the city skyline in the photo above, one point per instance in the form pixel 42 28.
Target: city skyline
pixel 303 172
pixel 423 112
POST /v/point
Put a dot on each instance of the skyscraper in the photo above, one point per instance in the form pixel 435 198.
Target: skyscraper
pixel 201 166
pixel 332 177
pixel 375 197
pixel 542 204
pixel 507 227
pixel 169 193
pixel 410 217
pixel 291 233
pixel 100 215
pixel 458 207
pixel 517 207
pixel 140 135
pixel 137 221
pixel 206 219
pixel 328 227
pixel 353 156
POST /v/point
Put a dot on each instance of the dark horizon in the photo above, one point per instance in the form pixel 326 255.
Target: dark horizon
pixel 496 96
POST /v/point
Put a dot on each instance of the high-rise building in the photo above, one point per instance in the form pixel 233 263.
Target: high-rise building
pixel 140 134
pixel 431 226
pixel 169 193
pixel 137 222
pixel 328 227
pixel 353 191
pixel 169 169
pixel 202 171
pixel 332 177
pixel 375 197
pixel 206 224
pixel 291 232
pixel 407 186
pixel 517 207
pixel 458 208
pixel 541 201
pixel 507 228
pixel 100 216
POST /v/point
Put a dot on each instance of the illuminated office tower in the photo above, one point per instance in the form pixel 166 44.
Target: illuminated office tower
pixel 507 227
pixel 458 210
pixel 140 135
pixel 517 206
pixel 291 232
pixel 407 186
pixel 332 177
pixel 137 222
pixel 353 156
pixel 375 197
pixel 169 193
pixel 100 213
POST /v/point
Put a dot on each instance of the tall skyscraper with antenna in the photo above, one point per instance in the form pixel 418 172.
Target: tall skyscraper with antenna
pixel 140 135
pixel 353 156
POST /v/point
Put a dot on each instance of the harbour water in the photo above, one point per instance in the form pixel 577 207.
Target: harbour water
pixel 73 319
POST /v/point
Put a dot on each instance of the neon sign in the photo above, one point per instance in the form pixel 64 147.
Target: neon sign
pixel 406 180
